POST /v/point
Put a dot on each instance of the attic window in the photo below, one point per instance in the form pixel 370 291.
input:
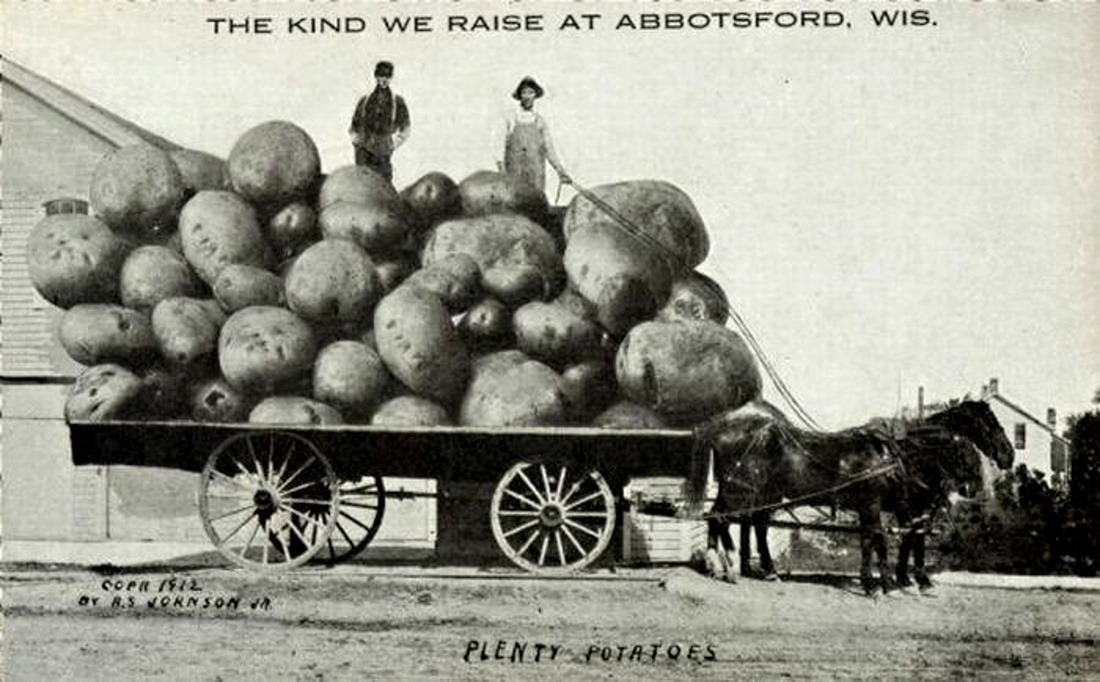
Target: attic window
pixel 66 205
pixel 1021 436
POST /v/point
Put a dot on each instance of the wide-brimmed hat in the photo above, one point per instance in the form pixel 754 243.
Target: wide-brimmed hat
pixel 383 70
pixel 528 82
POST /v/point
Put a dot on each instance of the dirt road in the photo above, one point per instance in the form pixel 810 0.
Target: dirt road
pixel 413 623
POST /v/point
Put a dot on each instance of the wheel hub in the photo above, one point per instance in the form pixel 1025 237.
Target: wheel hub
pixel 551 515
pixel 264 501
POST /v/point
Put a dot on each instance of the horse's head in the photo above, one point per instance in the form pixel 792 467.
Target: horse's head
pixel 975 421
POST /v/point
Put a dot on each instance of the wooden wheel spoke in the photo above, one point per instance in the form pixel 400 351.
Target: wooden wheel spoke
pixel 572 539
pixel 255 459
pixel 300 469
pixel 561 550
pixel 523 499
pixel 587 515
pixel 238 510
pixel 581 528
pixel 251 538
pixel 357 505
pixel 531 486
pixel 530 541
pixel 572 491
pixel 238 528
pixel 542 550
pixel 504 513
pixel 296 488
pixel 549 494
pixel 347 538
pixel 302 500
pixel 520 528
pixel 298 531
pixel 305 517
pixel 596 495
pixel 354 520
pixel 561 483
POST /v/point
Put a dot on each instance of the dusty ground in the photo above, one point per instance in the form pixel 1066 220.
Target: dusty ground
pixel 358 622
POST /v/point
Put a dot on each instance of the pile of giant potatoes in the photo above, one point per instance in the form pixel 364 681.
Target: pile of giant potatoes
pixel 258 289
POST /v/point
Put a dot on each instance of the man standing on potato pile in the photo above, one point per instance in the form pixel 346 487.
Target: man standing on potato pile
pixel 527 142
pixel 380 124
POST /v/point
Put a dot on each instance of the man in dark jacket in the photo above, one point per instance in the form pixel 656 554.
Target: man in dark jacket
pixel 380 124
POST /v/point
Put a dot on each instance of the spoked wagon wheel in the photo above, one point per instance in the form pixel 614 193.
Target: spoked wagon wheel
pixel 268 500
pixel 548 518
pixel 362 504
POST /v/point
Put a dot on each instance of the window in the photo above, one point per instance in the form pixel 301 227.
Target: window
pixel 1021 436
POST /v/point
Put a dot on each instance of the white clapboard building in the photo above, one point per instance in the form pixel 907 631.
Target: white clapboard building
pixel 52 141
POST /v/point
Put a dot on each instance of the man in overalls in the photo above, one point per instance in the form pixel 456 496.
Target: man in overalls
pixel 380 124
pixel 527 142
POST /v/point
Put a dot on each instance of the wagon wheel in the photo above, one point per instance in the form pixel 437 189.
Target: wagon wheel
pixel 548 518
pixel 362 504
pixel 268 500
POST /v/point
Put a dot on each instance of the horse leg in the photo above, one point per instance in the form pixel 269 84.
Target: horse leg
pixel 866 538
pixel 715 569
pixel 923 581
pixel 746 548
pixel 881 550
pixel 760 525
pixel 908 538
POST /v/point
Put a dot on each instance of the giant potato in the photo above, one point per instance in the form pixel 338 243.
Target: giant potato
pixel 453 279
pixel 264 348
pixel 187 330
pixel 97 333
pixel 555 334
pixel 694 296
pixel 218 228
pixel 292 229
pixel 74 258
pixel 660 210
pixel 151 274
pixel 377 227
pixel 351 377
pixel 420 345
pixel 137 190
pixel 488 192
pixel 215 401
pixel 294 410
pixel 103 392
pixel 240 286
pixel 356 185
pixel 510 389
pixel 410 410
pixel 333 281
pixel 627 415
pixel 433 198
pixel 506 243
pixel 273 164
pixel 200 170
pixel 687 371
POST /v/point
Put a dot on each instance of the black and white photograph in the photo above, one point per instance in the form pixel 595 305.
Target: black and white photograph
pixel 587 340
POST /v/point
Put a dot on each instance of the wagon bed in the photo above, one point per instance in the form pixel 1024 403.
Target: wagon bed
pixel 274 497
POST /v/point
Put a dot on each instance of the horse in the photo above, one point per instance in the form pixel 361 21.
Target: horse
pixel 762 462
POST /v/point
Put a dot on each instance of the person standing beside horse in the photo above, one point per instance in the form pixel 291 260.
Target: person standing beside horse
pixel 380 124
pixel 528 145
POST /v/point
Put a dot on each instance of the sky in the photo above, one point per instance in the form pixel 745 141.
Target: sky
pixel 888 207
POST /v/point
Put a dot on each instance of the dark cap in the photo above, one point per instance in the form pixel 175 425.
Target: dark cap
pixel 383 69
pixel 528 82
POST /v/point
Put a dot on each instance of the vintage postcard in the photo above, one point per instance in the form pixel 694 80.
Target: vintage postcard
pixel 447 340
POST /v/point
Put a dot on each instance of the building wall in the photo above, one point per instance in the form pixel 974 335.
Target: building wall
pixel 46 156
pixel 1036 453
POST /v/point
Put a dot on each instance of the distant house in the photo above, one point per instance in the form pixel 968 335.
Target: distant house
pixel 1037 443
